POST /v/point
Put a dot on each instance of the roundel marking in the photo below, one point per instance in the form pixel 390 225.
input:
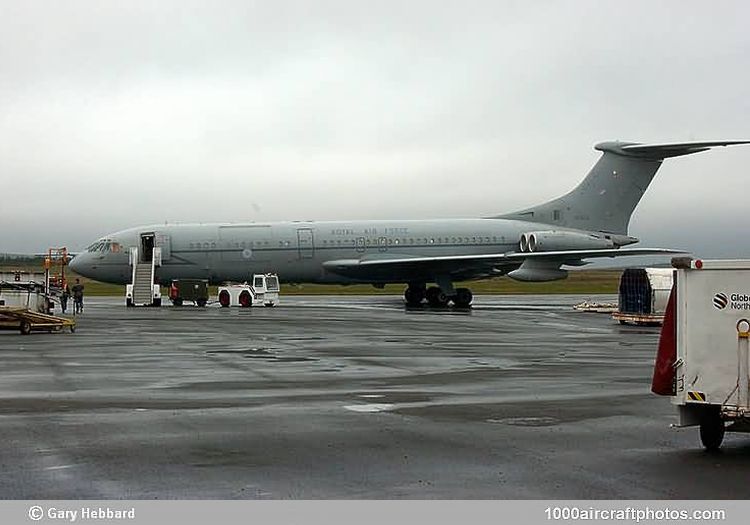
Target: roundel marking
pixel 247 253
pixel 721 300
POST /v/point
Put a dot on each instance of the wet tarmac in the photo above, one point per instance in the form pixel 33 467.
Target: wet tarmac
pixel 348 397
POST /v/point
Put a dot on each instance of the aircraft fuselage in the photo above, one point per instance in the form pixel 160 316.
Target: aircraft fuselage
pixel 296 251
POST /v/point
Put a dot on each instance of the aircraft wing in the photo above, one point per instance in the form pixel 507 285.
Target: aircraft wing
pixel 471 266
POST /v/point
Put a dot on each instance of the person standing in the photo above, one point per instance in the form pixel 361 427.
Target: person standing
pixel 78 297
pixel 64 298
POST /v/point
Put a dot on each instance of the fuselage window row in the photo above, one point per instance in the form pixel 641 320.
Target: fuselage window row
pixel 378 242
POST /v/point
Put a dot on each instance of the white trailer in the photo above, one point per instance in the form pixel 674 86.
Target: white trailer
pixel 642 295
pixel 25 289
pixel 703 351
pixel 262 291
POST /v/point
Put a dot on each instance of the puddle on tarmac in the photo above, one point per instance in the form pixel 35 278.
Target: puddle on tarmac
pixel 527 421
pixel 263 353
pixel 370 407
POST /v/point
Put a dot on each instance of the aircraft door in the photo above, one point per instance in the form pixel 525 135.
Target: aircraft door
pixel 147 247
pixel 361 244
pixel 305 243
pixel 164 242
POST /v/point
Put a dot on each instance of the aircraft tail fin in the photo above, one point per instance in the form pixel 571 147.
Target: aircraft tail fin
pixel 607 197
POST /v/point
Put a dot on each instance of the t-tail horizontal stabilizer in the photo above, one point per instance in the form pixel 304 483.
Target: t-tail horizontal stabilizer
pixel 605 199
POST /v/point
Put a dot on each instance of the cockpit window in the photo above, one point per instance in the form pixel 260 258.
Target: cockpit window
pixel 104 245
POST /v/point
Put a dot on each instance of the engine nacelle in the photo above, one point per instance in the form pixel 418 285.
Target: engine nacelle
pixel 548 241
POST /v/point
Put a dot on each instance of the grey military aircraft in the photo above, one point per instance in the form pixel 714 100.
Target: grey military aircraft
pixel 533 244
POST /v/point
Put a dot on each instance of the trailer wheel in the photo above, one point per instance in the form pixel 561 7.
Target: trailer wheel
pixel 25 327
pixel 712 428
pixel 245 300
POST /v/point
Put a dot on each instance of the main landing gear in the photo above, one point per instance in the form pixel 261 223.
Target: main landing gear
pixel 437 296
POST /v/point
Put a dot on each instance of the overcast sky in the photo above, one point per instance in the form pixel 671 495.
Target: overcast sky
pixel 115 114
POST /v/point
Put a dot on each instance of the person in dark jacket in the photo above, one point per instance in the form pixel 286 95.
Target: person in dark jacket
pixel 78 297
pixel 64 298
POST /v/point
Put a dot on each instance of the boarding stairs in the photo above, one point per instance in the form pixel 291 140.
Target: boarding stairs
pixel 143 277
pixel 142 281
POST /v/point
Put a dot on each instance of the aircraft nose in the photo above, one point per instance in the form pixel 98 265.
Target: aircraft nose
pixel 77 265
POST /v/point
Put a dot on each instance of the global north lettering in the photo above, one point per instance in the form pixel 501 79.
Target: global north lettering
pixel 737 301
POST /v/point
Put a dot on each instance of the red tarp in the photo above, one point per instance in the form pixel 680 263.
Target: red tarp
pixel 664 373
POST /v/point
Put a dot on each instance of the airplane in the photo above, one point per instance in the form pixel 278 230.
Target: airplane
pixel 532 244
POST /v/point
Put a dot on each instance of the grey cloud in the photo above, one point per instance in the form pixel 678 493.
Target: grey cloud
pixel 112 115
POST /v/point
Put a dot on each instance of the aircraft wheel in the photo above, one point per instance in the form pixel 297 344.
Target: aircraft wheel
pixel 463 298
pixel 157 302
pixel 436 297
pixel 201 302
pixel 177 301
pixel 414 296
pixel 245 300
pixel 25 327
pixel 712 428
pixel 129 303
